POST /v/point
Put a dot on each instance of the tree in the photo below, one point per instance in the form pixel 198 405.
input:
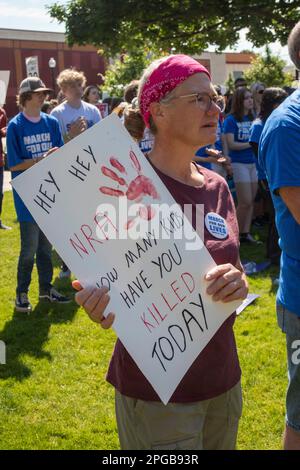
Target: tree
pixel 183 25
pixel 230 84
pixel 129 67
pixel 268 69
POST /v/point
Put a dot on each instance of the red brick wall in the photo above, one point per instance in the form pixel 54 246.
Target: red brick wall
pixel 13 54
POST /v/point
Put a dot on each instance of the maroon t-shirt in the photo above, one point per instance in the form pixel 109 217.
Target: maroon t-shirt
pixel 216 369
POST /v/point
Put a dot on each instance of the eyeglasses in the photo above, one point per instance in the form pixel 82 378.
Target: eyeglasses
pixel 204 100
pixel 260 92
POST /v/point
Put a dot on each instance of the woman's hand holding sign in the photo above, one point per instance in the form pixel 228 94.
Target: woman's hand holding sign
pixel 227 283
pixel 94 300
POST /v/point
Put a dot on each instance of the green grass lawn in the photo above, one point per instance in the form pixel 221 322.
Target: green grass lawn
pixel 53 393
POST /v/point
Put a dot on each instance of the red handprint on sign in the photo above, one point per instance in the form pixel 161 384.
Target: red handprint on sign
pixel 136 190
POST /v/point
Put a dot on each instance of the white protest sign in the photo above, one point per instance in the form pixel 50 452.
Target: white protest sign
pixel 247 301
pixel 4 79
pixel 78 197
pixel 32 66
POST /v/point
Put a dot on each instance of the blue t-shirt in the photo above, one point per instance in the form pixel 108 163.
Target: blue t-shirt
pixel 241 132
pixel 220 131
pixel 255 133
pixel 279 155
pixel 201 152
pixel 26 140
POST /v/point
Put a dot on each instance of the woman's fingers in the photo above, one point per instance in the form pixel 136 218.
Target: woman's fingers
pixel 96 301
pixel 227 283
pixel 222 281
pixel 108 321
pixel 82 296
pixel 97 307
pixel 217 271
pixel 237 295
pixel 227 290
pixel 76 285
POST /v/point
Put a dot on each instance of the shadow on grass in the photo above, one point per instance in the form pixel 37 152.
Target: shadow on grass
pixel 56 260
pixel 26 334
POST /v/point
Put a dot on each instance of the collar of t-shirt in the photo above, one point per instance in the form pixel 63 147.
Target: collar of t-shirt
pixel 33 119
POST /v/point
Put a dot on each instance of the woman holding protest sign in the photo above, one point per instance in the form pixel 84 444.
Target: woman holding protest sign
pixel 179 104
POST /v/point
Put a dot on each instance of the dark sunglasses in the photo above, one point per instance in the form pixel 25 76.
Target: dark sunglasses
pixel 260 92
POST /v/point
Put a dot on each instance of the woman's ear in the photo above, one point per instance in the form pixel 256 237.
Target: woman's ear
pixel 156 111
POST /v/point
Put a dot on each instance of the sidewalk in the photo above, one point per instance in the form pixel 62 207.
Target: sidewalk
pixel 7 178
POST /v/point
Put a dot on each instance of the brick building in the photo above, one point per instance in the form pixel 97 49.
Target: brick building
pixel 17 45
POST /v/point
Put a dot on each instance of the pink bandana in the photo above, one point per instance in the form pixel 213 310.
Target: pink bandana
pixel 170 73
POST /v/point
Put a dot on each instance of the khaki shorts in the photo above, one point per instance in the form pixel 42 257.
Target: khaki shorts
pixel 208 424
pixel 244 172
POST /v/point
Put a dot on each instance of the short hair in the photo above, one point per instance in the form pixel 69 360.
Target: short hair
pixel 46 106
pixel 256 86
pixel 240 79
pixel 294 45
pixel 69 77
pixel 131 90
pixel 271 98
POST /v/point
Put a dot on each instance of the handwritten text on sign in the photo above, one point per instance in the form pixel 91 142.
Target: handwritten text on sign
pixel 163 316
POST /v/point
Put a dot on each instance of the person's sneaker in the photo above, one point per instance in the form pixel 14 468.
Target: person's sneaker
pixel 250 267
pixel 258 222
pixel 64 274
pixel 4 227
pixel 22 303
pixel 249 239
pixel 54 296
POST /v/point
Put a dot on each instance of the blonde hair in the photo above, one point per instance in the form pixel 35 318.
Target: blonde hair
pixel 133 122
pixel 69 77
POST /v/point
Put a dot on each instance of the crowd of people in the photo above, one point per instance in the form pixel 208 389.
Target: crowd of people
pixel 206 148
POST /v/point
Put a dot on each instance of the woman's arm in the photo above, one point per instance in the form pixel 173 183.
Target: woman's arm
pixel 232 145
pixel 208 159
pixel 224 145
pixel 29 162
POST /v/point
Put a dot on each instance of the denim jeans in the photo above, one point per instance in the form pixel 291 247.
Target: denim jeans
pixel 290 325
pixel 34 242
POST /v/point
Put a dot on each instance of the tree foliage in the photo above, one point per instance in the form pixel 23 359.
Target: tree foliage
pixel 230 84
pixel 268 69
pixel 183 25
pixel 126 69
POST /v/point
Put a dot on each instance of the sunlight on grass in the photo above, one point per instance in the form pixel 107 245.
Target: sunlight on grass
pixel 53 393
